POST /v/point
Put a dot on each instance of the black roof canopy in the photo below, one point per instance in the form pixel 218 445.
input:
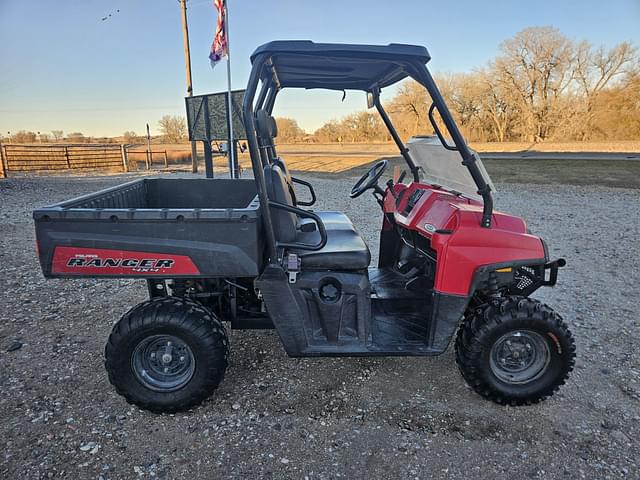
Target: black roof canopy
pixel 305 64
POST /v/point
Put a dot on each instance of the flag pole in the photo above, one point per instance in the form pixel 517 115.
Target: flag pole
pixel 231 148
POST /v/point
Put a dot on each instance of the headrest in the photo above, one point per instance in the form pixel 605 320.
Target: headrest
pixel 274 126
pixel 278 162
pixel 266 125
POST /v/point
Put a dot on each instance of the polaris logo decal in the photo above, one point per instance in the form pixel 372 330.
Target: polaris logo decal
pixel 96 262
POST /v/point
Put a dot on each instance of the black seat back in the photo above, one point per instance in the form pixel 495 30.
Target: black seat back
pixel 285 223
pixel 283 166
pixel 267 131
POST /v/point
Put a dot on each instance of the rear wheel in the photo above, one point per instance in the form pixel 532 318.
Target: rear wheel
pixel 515 351
pixel 167 354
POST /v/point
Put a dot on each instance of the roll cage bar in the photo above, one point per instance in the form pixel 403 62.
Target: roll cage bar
pixel 265 70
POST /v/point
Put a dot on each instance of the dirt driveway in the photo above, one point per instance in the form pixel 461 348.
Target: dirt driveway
pixel 276 417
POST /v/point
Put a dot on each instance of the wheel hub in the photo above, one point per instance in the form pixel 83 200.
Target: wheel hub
pixel 519 357
pixel 163 363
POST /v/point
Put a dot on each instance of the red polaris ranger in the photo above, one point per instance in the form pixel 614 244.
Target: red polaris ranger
pixel 245 252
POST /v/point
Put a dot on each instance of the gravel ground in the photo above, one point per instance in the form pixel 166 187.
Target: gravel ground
pixel 276 417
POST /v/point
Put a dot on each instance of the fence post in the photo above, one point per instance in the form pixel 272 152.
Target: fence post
pixel 125 161
pixel 6 160
pixel 149 152
pixel 166 160
pixel 66 157
pixel 3 168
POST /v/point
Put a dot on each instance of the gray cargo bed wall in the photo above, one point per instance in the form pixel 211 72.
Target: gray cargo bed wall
pixel 169 193
pixel 215 222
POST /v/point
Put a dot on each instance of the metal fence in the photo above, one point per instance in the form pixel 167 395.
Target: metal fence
pixel 134 156
pixel 29 157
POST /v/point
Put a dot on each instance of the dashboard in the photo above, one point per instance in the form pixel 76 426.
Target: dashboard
pixel 412 201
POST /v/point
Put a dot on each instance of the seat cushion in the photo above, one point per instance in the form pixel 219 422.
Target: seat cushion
pixel 336 220
pixel 331 220
pixel 345 250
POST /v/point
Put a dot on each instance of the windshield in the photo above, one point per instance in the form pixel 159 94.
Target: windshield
pixel 444 167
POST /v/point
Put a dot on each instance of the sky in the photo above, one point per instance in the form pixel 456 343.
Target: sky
pixel 63 67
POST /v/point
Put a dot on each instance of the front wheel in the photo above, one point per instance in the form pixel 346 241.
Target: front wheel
pixel 515 351
pixel 167 354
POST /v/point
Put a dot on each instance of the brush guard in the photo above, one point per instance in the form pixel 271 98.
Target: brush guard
pixel 529 278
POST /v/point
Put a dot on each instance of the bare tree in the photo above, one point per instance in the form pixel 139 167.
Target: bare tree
pixel 595 70
pixel 76 137
pixel 57 135
pixel 329 132
pixel 358 127
pixel 464 96
pixel 537 66
pixel 411 100
pixel 173 128
pixel 616 110
pixel 362 127
pixel 130 137
pixel 289 130
pixel 497 105
pixel 24 136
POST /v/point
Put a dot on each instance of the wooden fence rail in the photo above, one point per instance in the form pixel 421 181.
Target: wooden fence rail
pixel 28 157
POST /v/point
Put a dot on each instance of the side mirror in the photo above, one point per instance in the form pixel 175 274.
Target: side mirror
pixel 370 100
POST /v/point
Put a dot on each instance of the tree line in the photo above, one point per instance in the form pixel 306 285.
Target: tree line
pixel 27 136
pixel 173 129
pixel 542 86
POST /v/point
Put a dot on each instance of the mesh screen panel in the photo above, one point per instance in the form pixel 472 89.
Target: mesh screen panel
pixel 207 116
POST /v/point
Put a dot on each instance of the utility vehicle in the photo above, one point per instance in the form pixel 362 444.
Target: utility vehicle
pixel 245 252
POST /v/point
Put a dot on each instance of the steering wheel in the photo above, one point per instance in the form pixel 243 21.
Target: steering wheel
pixel 369 179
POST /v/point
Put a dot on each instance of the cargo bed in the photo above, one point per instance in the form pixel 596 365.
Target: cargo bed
pixel 154 227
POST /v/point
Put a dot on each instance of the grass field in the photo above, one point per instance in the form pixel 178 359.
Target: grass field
pixel 176 151
pixel 609 147
pixel 352 159
pixel 610 173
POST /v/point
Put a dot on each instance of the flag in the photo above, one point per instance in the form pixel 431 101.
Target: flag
pixel 220 45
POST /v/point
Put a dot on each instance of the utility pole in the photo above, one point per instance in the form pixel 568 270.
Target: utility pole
pixel 187 61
